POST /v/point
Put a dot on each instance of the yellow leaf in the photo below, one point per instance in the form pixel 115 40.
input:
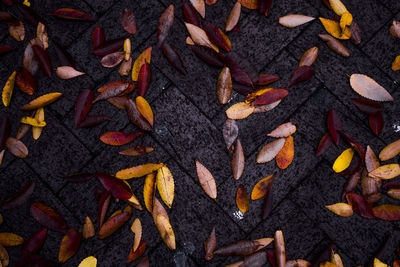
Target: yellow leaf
pixel 341 209
pixel 343 161
pixel 88 228
pixel 41 33
pixel 206 180
pixel 8 89
pixel 239 111
pixel 148 190
pixel 386 172
pixel 396 64
pixel 10 239
pixel 37 131
pixel 136 228
pixel 333 28
pixel 252 96
pixel 378 263
pixel 145 56
pixel 145 109
pixel 345 20
pixel 338 7
pixel 262 187
pixel 33 122
pixel 42 101
pixel 135 202
pixel 166 231
pixel 138 171
pixel 88 262
pixel 127 49
pixel 327 264
pixel 165 185
pixel 26 2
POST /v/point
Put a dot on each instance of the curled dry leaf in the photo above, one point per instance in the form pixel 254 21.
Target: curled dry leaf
pixel 302 73
pixel 16 147
pixel 242 199
pixel 137 151
pixel 369 88
pixel 10 239
pixel 283 130
pixel 20 198
pixel 119 138
pixel 165 23
pixel 343 161
pixel 165 185
pixel 136 117
pixel 209 245
pixel 294 20
pixel 341 209
pixel 280 251
pixel 386 172
pixel 206 180
pixel 335 45
pixel 128 21
pixel 125 67
pixel 285 156
pixel 309 57
pixel 239 248
pixel 390 151
pixel 8 89
pixel 262 187
pixel 69 245
pixel 238 161
pixel 118 188
pixel 88 262
pixel 17 31
pixel 173 57
pixel 224 86
pixel 67 72
pixel 138 171
pixel 25 81
pixel 334 29
pixel 239 111
pixel 145 56
pixel 136 228
pixel 88 228
pixel 149 190
pixel 233 17
pixel 388 212
pixel 42 101
pixel 69 13
pixel 270 150
pixel 199 36
pixel 109 46
pixel 41 33
pixel 113 59
pixel 48 217
pixel 395 29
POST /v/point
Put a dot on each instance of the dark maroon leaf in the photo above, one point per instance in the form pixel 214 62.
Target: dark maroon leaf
pixel 144 79
pixel 135 117
pixel 239 248
pixel 302 73
pixel 118 188
pixel 265 79
pixel 4 49
pixel 128 21
pixel 98 37
pixel 102 208
pixel 242 89
pixel 48 217
pixel 30 15
pixel 35 242
pixel 8 18
pixel 69 13
pixel 376 123
pixel 334 126
pixel 109 46
pixel 25 81
pixel 271 96
pixel 360 205
pixel 356 145
pixel 265 6
pixel 63 56
pixel 351 184
pixel 207 54
pixel 257 259
pixel 324 144
pixel 268 204
pixel 79 177
pixel 355 166
pixel 217 36
pixel 94 120
pixel 241 70
pixel 367 106
pixel 190 14
pixel 83 105
pixel 393 184
pixel 173 57
pixel 355 33
pixel 43 59
pixel 8 2
pixel 271 257
pixel 323 256
pixel 20 198
pixel 4 130
pixel 382 251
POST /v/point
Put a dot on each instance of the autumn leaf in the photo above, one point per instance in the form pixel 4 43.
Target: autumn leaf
pixel 165 23
pixel 250 4
pixel 4 258
pixel 133 255
pixel 190 14
pixel 118 188
pixel 285 156
pixel 209 245
pixel 17 31
pixel 333 28
pixel 341 209
pixel 136 151
pixel 69 245
pixel 371 161
pixel 114 223
pixel 43 59
pixel 33 122
pixel 145 56
pixel 29 61
pixel 88 262
pixel 94 120
pixel 230 132
pixel 163 224
pixel 262 187
pixel 10 239
pixel 238 161
pixel 83 105
pixel 113 59
pixel 239 248
pixel 144 79
pixel 335 45
pixel 386 172
pixel 165 185
pixel 242 199
pixel 268 204
pixel 73 14
pixel 8 89
pixel 128 21
pixel 269 96
pixel 173 57
pixel 136 228
pixel 217 36
pixel 16 147
pixel 280 251
pixel 206 180
pixel 115 88
pixel 343 161
pixel 376 123
pixel 283 130
pixel 138 171
pixel 265 79
pixel 48 217
pixel 369 88
pixel 370 188
pixel 359 205
pixel 239 111
pixel 367 106
pixel 42 101
pixel 41 33
pixel 127 49
pixel 390 151
pixel 199 36
pixel 257 259
pixel 388 212
pixel 25 81
pixel 19 198
pixel 88 228
pixel 145 110
pixel 395 29
pixel 396 64
pixel 224 86
pixel 294 20
pixel 270 150
pixel 118 138
pixel 108 47
pixel 233 17
pixel 199 6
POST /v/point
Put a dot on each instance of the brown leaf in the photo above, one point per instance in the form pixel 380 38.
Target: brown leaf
pixel 280 252
pixel 116 88
pixel 238 161
pixel 4 258
pixel 335 45
pixel 390 151
pixel 242 199
pixel 388 212
pixel 233 17
pixel 371 161
pixel 163 224
pixel 350 184
pixel 136 228
pixel 206 180
pixel 19 198
pixel 262 187
pixel 257 259
pixel 230 132
pixel 10 239
pixel 67 72
pixel 394 193
pixel 17 31
pixel 114 223
pixel 69 245
pixel 199 36
pixel 41 33
pixel 283 130
pixel 88 228
pixel 16 147
pixel 368 88
pixel 199 6
pixel 165 23
pixel 30 62
pixel 250 4
pixel 239 248
pixel 265 108
pixel 102 207
pixel 239 111
pixel 309 57
pixel 270 150
pixel 355 33
pixel 209 245
pixel 48 217
pixel 224 86
pixel 370 188
pixel 135 254
pixel 112 60
pixel 109 46
pixel 359 205
pixel 128 21
pixel 135 117
pixel 294 20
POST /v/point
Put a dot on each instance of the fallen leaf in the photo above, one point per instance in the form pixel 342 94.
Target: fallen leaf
pixel 37 131
pixel 88 262
pixel 376 123
pixel 238 161
pixel 368 88
pixel 206 180
pixel 217 36
pixel 114 223
pixel 133 255
pixel 250 4
pixel 268 204
pixel 283 130
pixel 343 161
pixel 209 245
pixel 136 228
pixel 302 73
pixel 334 126
pixel 199 36
pixel 118 188
pixel 138 171
pixel 113 89
pixel 355 33
pixel 309 57
pixel 230 132
pixel 396 64
pixel 42 101
pixel 41 33
pixel 341 209
pixel 65 59
pixel 338 7
pixel 163 224
pixel 136 117
pixel 242 70
pixel 265 108
pixel 333 28
pixel 270 96
pixel 32 121
pixel 8 89
pixel 10 239
pixel 83 105
pixel 125 67
pixel 144 79
pixel 88 228
pixel 208 55
pixel 173 57
pixel 371 161
pixel 224 86
pixel 43 59
pixel 199 6
pixel 239 111
pixel 48 217
pixel 359 205
pixel 165 23
pixel 19 198
pixel 136 151
pixel 17 31
pixel 109 46
pixel 29 61
pixel 394 193
pixel 242 199
pixel 294 20
pixel 265 79
pixel 128 21
pixel 102 207
pixel 386 172
pixel 149 190
pixel 239 248
pixel 25 81
pixel 69 245
pixel 233 17
pixel 388 212
pixel 113 59
pixel 118 138
pixel 390 151
pixel 165 185
pixel 97 37
pixel 16 147
pixel 270 150
pixel 69 13
pixel 262 187
pixel 4 258
pixel 285 156
pixel 94 120
pixel 145 56
pixel 257 259
pixel 367 106
pixel 190 14
pixel 370 188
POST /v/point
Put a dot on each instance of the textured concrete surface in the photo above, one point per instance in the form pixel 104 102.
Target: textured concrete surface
pixel 188 126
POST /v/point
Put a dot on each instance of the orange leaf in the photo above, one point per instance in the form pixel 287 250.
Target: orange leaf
pixel 149 190
pixel 42 101
pixel 262 187
pixel 163 224
pixel 341 209
pixel 10 239
pixel 69 245
pixel 250 4
pixel 371 161
pixel 309 57
pixel 145 109
pixel 8 89
pixel 114 223
pixel 285 157
pixel 242 199
pixel 387 212
pixel 135 254
pixel 239 111
pixel 396 64
pixel 145 56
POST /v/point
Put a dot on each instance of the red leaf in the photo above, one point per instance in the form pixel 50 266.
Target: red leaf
pixel 144 79
pixel 334 126
pixel 69 13
pixel 114 223
pixel 25 81
pixel 48 217
pixel 118 138
pixel 4 49
pixel 30 15
pixel 83 105
pixel 242 71
pixel 209 245
pixel 102 207
pixel 393 184
pixel 324 144
pixel 109 46
pixel 69 245
pixel 135 117
pixel 20 198
pixel 388 212
pixel 323 256
pixel 35 242
pixel 43 59
pixel 264 6
pixel 173 57
pixel 351 184
pixel 97 37
pixel 128 21
pixel 268 204
pixel 207 54
pixel 165 23
pixel 302 73
pixel 115 88
pixel 242 89
pixel 79 178
pixel 376 123
pixel 217 36
pixel 367 106
pixel 271 257
pixel 271 97
pixel 135 254
pixel 8 2
pixel 265 79
pixel 190 14
pixel 94 120
pixel 118 188
pixel 359 205
pixel 4 130
pixel 327 4
pixel 64 57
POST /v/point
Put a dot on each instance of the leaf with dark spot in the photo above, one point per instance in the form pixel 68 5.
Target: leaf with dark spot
pixel 83 105
pixel 43 59
pixel 302 73
pixel 118 188
pixel 230 133
pixel 173 57
pixel 108 47
pixel 128 21
pixel 20 198
pixel 190 14
pixel 48 217
pixel 73 14
pixel 113 59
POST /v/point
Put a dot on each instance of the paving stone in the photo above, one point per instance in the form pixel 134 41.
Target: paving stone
pixel 102 6
pixel 391 111
pixel 393 5
pixel 319 248
pixel 162 256
pixel 200 141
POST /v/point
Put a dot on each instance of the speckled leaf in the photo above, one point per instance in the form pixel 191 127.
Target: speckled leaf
pixel 165 185
pixel 113 59
pixel 386 172
pixel 262 187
